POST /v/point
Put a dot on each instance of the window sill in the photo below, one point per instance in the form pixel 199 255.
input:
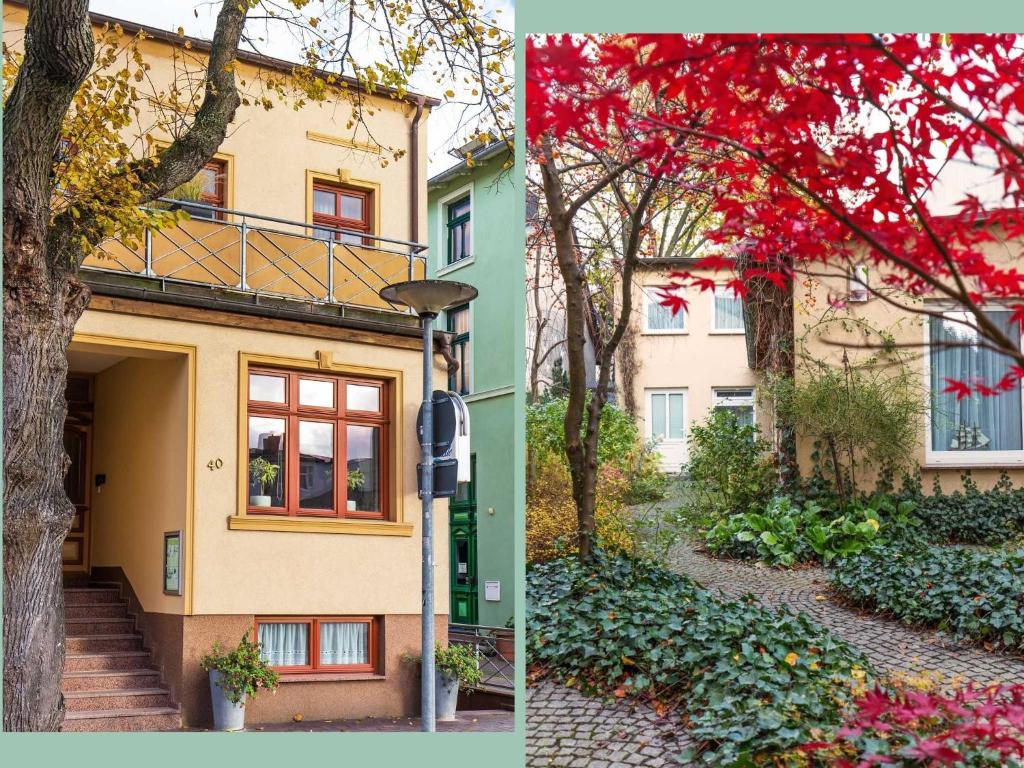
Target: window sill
pixel 455 266
pixel 314 525
pixel 737 332
pixel 327 677
pixel 979 461
pixel 648 332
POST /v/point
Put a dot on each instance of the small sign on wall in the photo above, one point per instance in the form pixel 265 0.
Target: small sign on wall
pixel 172 563
pixel 492 591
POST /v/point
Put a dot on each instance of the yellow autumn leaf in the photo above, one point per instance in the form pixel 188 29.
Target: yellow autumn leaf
pixel 792 658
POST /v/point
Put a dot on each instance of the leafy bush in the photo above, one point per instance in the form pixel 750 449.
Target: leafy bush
pixel 968 727
pixel 729 466
pixel 619 445
pixel 969 593
pixel 786 534
pixel 458 660
pixel 551 521
pixel 752 680
pixel 970 516
pixel 243 670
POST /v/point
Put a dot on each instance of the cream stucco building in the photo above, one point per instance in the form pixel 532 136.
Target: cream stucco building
pixel 242 411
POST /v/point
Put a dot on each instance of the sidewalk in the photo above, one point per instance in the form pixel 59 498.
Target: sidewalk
pixel 472 721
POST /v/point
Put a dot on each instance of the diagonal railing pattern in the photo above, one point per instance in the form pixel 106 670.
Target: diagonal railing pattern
pixel 264 255
pixel 495 652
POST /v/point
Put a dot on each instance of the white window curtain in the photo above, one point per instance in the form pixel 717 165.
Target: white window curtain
pixel 739 401
pixel 728 310
pixel 660 318
pixel 284 644
pixel 344 643
pixel 977 422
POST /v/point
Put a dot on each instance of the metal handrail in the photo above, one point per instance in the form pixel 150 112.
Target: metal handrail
pixel 497 671
pixel 288 270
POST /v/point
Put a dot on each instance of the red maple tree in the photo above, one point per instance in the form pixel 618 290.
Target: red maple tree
pixel 824 151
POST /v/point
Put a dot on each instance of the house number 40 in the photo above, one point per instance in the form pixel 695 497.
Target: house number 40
pixel 215 464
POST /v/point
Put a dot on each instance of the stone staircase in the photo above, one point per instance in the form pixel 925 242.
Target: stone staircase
pixel 110 681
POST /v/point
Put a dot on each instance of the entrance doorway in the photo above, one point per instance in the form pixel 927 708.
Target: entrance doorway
pixel 78 445
pixel 462 551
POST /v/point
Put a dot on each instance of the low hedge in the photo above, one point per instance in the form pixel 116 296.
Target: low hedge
pixel 970 515
pixel 969 593
pixel 753 682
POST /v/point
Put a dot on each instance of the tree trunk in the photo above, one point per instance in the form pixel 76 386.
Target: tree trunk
pixel 38 323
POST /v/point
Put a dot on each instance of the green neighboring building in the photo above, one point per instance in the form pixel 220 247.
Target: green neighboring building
pixel 472 220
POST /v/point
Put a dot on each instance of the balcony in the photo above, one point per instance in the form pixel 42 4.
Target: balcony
pixel 265 256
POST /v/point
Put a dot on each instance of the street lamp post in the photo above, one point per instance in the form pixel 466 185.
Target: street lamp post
pixel 428 298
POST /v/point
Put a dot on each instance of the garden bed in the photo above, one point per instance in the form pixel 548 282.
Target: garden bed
pixel 750 681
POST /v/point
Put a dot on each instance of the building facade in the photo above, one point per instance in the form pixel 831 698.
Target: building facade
pixel 242 426
pixel 471 218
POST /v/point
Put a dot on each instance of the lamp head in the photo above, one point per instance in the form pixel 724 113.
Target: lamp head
pixel 429 297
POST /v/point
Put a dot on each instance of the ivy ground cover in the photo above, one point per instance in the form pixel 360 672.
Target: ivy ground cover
pixel 969 593
pixel 751 682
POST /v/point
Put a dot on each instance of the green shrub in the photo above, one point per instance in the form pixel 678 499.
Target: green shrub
pixel 619 445
pixel 785 534
pixel 458 660
pixel 969 593
pixel 970 516
pixel 753 681
pixel 729 467
pixel 243 670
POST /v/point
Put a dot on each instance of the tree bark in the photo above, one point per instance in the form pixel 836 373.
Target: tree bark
pixel 43 300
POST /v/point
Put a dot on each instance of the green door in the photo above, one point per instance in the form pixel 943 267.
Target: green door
pixel 462 551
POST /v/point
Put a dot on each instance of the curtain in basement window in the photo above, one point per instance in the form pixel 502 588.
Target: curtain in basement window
pixel 344 643
pixel 975 423
pixel 284 645
pixel 728 311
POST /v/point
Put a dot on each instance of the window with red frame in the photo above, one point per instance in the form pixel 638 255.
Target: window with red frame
pixel 301 428
pixel 212 181
pixel 341 207
pixel 293 644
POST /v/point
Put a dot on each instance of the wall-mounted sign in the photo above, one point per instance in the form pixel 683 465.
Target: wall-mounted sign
pixel 172 563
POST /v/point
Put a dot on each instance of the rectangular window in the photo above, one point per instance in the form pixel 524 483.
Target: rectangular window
pixel 302 428
pixel 462 349
pixel 667 415
pixel 340 207
pixel 728 314
pixel 292 644
pixel 657 318
pixel 211 187
pixel 858 283
pixel 459 223
pixel 976 428
pixel 738 401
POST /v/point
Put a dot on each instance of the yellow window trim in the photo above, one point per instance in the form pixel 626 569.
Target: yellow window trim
pixel 190 438
pixel 344 178
pixel 323 361
pixel 340 141
pixel 159 145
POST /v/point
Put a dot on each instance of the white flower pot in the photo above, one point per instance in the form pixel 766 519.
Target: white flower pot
pixel 259 501
pixel 226 715
pixel 446 695
pixel 351 505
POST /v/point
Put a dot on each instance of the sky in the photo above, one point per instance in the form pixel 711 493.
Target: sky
pixel 199 17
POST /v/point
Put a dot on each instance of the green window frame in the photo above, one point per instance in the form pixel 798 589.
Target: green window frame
pixel 457 320
pixel 459 213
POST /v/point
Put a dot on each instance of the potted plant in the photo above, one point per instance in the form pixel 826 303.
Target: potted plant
pixel 234 677
pixel 505 644
pixel 455 667
pixel 356 478
pixel 263 473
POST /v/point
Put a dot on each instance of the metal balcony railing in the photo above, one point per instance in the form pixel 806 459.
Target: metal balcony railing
pixel 495 653
pixel 264 255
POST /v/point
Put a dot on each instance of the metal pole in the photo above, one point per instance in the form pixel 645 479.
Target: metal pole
pixel 428 723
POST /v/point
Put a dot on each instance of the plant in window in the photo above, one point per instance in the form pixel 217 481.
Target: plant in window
pixel 263 473
pixel 235 676
pixel 356 478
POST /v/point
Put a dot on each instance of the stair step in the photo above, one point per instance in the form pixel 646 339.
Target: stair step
pixel 132 719
pixel 96 611
pixel 92 661
pixel 105 700
pixel 99 626
pixel 83 595
pixel 118 679
pixel 100 643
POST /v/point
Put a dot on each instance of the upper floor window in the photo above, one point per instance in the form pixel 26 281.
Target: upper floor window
pixel 658 318
pixel 301 428
pixel 462 349
pixel 341 207
pixel 977 428
pixel 459 215
pixel 728 314
pixel 209 187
